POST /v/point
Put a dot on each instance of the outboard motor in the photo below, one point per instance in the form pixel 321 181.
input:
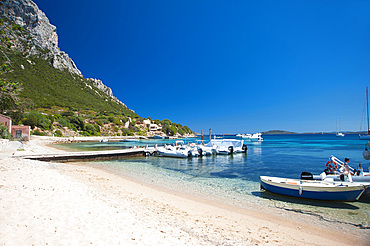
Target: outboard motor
pixel 306 176
pixel 231 150
pixel 245 148
pixel 200 152
pixel 341 177
pixel 189 154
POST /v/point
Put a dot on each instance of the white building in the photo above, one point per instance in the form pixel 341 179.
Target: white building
pixel 154 127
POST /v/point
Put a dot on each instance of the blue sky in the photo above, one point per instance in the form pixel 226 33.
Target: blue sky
pixel 232 66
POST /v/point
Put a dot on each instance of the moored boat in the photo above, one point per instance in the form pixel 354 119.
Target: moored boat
pixel 205 150
pixel 173 151
pixel 180 150
pixel 158 137
pixel 227 146
pixel 313 189
pixel 255 137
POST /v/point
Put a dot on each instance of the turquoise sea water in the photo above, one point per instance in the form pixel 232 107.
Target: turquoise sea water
pixel 235 179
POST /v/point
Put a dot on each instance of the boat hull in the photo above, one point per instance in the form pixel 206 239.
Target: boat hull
pixel 344 192
pixel 173 154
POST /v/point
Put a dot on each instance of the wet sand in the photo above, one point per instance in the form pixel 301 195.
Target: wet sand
pixel 47 203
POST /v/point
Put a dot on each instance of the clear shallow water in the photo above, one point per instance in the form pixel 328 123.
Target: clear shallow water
pixel 235 179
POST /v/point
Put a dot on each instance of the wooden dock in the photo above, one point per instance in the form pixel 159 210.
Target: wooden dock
pixel 88 155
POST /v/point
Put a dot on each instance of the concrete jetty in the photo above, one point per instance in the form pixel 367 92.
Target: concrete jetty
pixel 88 155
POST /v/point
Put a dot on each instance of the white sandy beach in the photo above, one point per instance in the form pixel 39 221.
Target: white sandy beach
pixel 48 203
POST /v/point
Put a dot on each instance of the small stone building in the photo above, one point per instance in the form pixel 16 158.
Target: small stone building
pixel 21 132
pixel 18 132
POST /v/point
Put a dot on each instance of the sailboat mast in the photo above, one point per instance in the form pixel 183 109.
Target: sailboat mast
pixel 367 106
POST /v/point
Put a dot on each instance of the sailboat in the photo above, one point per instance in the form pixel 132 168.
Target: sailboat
pixel 339 134
pixel 367 136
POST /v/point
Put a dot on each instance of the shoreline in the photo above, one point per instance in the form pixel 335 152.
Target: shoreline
pixel 117 209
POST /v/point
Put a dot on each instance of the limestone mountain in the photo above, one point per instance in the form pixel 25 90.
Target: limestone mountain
pixel 30 55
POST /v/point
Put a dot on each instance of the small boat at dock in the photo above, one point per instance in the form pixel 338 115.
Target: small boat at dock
pixel 313 189
pixel 180 150
pixel 227 146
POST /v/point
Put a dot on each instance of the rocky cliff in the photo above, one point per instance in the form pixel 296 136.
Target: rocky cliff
pixel 41 39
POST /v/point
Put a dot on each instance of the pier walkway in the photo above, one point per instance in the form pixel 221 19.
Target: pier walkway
pixel 87 155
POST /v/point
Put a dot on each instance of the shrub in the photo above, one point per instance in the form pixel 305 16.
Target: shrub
pixel 64 122
pixel 58 133
pixel 92 129
pixel 33 119
pixel 117 121
pixel 68 114
pixel 38 132
pixel 4 132
pixel 77 122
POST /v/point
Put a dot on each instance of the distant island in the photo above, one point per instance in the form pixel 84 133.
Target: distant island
pixel 278 132
pixel 272 132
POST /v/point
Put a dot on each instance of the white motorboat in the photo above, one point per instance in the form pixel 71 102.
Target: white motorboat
pixel 313 189
pixel 173 151
pixel 158 137
pixel 227 146
pixel 205 150
pixel 246 135
pixel 179 150
pixel 255 137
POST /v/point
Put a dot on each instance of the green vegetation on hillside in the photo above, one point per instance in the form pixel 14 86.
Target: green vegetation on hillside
pixel 43 85
pixel 46 87
pixel 58 102
pixel 63 122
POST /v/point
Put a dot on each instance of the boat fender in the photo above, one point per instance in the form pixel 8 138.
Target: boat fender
pixel 366 154
pixel 331 166
pixel 300 190
pixel 323 175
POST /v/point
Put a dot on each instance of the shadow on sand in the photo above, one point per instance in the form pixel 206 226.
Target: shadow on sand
pixel 304 201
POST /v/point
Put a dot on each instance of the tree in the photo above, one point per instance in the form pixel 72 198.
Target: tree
pixel 9 92
pixel 4 131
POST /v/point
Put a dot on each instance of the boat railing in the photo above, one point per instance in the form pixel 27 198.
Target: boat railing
pixel 339 162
